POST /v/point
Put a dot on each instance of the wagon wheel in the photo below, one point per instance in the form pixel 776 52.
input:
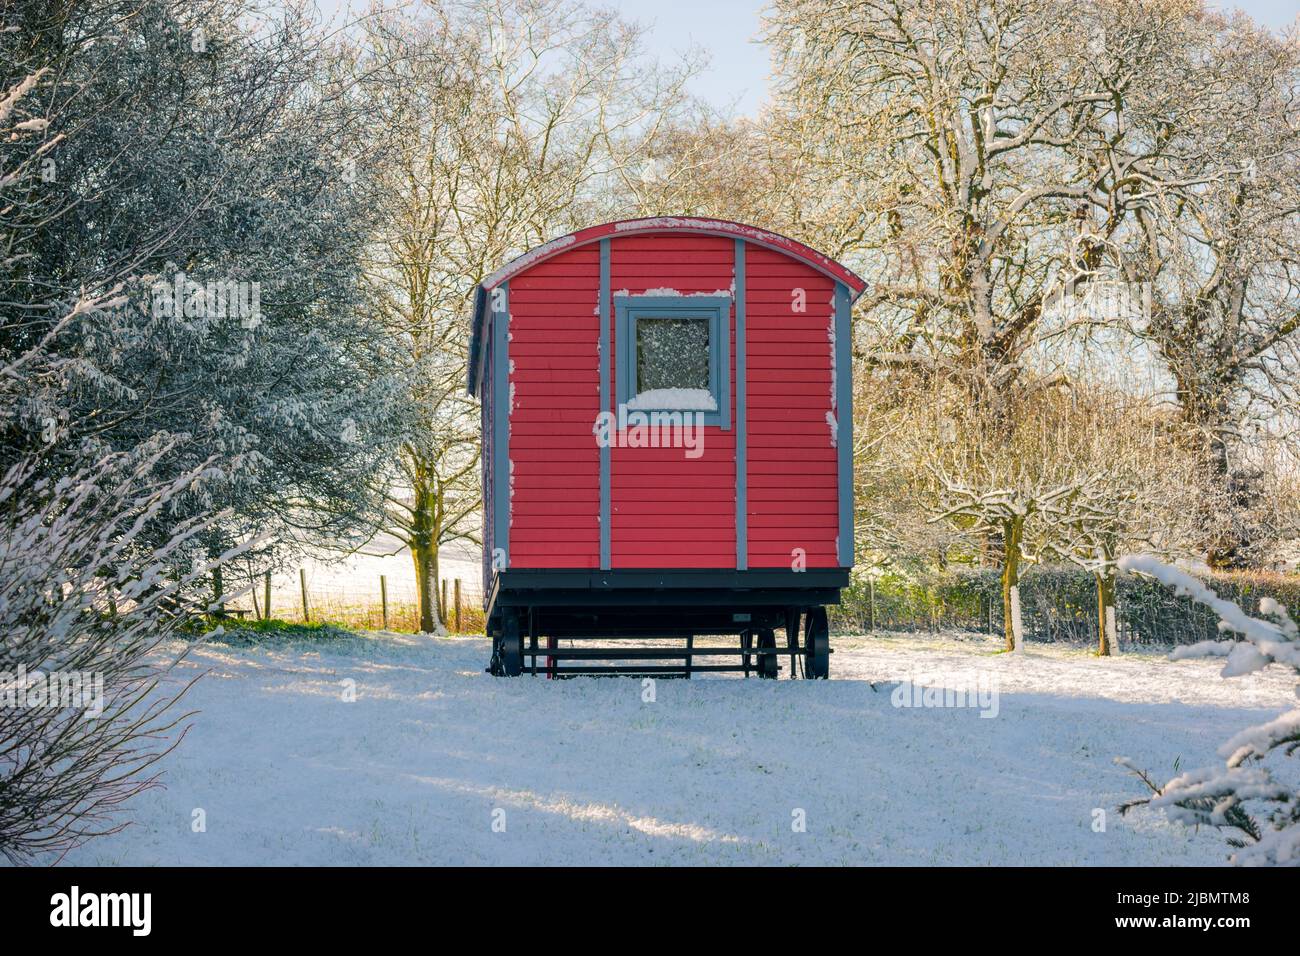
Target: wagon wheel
pixel 817 645
pixel 494 662
pixel 767 665
pixel 508 649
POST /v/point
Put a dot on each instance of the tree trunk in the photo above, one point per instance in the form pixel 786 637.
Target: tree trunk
pixel 218 581
pixel 1012 531
pixel 439 587
pixel 424 550
pixel 425 586
pixel 1206 408
pixel 1105 611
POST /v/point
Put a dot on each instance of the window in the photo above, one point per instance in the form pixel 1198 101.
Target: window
pixel 674 355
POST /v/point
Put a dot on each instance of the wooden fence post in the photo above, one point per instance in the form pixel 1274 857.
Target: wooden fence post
pixel 302 579
pixel 458 605
pixel 266 596
pixel 383 597
pixel 871 612
pixel 442 605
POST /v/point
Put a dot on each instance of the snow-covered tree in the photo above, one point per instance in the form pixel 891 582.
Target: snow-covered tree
pixel 1216 238
pixel 1008 483
pixel 1141 492
pixel 85 610
pixel 180 355
pixel 1248 795
pixel 84 601
pixel 1073 476
pixel 199 160
pixel 1020 512
pixel 951 148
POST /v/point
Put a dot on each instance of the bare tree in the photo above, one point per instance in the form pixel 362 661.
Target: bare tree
pixel 86 613
pixel 953 147
pixel 1142 495
pixel 1018 496
pixel 1090 472
pixel 1216 238
pixel 505 123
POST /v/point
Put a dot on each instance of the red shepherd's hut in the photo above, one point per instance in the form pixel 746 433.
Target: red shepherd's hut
pixel 667 448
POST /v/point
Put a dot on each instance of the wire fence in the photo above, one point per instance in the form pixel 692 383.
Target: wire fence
pixel 1057 604
pixel 377 605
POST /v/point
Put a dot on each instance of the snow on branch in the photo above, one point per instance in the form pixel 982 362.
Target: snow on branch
pixel 1245 794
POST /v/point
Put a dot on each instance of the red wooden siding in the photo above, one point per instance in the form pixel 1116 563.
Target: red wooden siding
pixel 792 466
pixel 667 510
pixel 555 378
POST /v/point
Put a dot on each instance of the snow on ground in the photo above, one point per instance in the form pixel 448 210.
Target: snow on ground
pixel 433 751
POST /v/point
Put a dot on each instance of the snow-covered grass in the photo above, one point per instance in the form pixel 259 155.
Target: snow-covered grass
pixel 433 751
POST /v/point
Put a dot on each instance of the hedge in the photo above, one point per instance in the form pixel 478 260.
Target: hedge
pixel 1057 604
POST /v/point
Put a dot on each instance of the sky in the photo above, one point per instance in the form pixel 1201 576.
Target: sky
pixel 739 65
pixel 1274 13
pixel 727 30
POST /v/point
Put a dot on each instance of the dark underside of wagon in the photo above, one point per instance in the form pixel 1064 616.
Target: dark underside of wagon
pixel 667 623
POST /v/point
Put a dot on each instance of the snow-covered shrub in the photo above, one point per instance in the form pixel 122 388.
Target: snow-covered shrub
pixel 93 573
pixel 1244 795
pixel 82 609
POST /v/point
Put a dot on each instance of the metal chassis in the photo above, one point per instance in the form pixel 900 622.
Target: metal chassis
pixel 530 611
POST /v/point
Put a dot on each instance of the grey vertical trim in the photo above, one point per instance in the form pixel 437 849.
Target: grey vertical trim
pixel 604 405
pixel 621 350
pixel 724 367
pixel 742 452
pixel 844 417
pixel 501 420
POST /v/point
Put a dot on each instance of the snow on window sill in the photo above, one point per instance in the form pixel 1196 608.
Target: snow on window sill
pixel 674 400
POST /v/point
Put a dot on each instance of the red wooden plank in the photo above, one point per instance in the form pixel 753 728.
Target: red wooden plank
pixel 553 367
pixel 558 417
pixel 694 504
pixel 579 337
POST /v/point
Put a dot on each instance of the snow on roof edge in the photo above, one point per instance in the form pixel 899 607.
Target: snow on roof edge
pixel 836 270
pixel 668 223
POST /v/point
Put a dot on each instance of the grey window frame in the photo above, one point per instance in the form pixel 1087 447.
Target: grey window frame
pixel 714 309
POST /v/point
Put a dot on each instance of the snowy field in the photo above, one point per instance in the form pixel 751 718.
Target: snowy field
pixel 433 752
pixel 357 575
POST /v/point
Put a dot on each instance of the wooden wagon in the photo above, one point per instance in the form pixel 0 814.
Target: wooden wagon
pixel 667 450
